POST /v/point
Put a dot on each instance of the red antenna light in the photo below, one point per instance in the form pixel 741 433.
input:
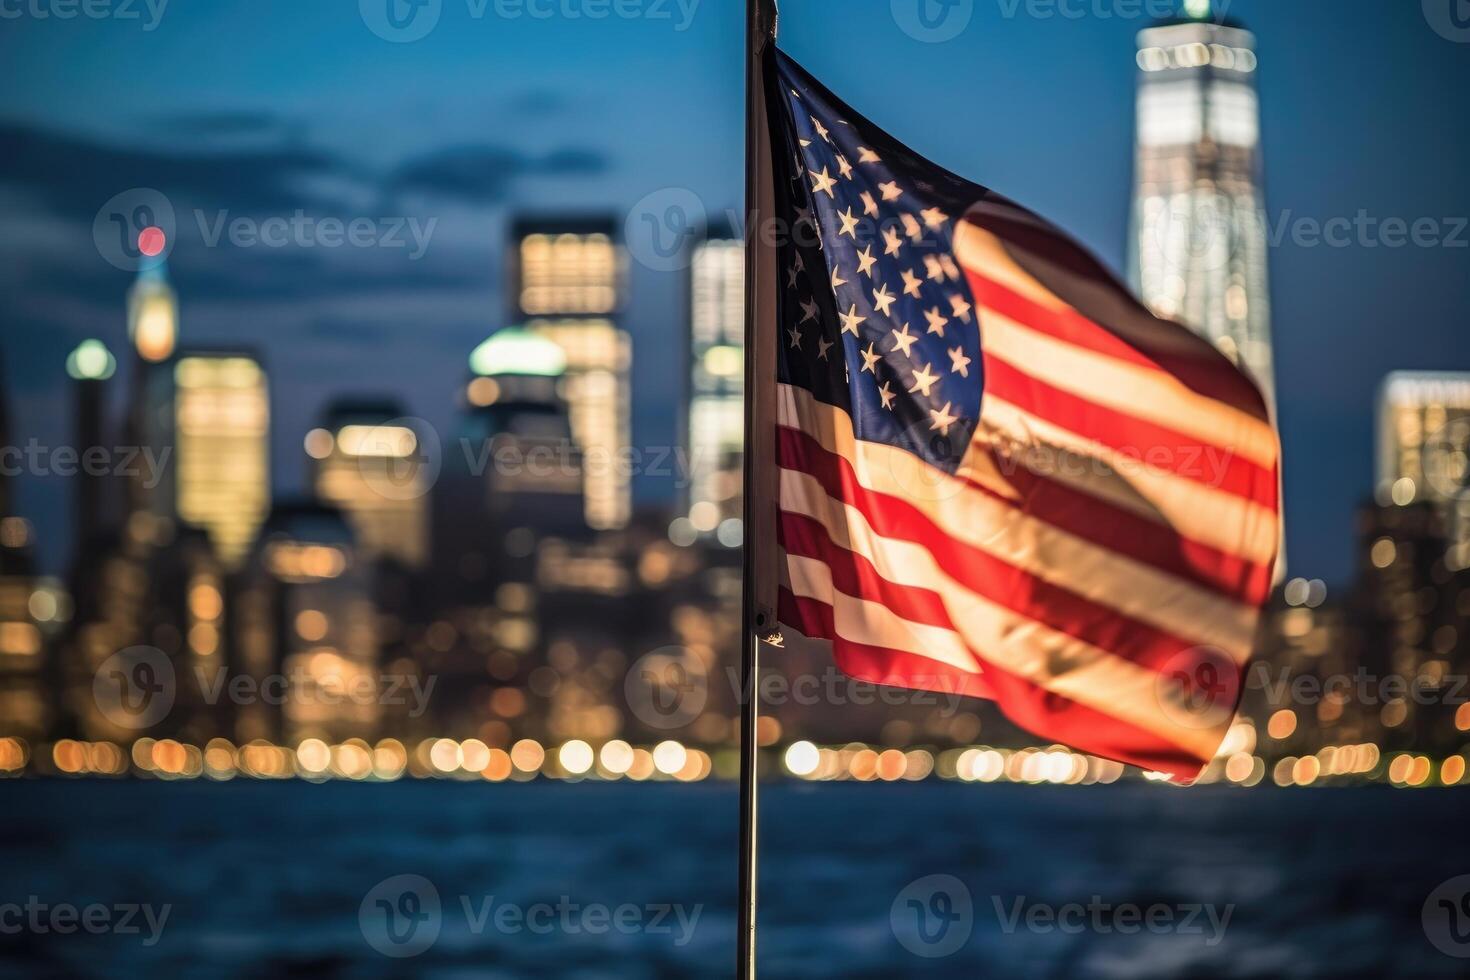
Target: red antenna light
pixel 151 240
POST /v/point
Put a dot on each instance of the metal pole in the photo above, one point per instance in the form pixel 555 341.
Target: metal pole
pixel 749 668
pixel 758 619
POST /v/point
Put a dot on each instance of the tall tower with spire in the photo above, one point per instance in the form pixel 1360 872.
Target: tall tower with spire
pixel 1198 252
pixel 153 312
pixel 153 330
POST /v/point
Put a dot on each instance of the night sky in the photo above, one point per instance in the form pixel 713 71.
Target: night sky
pixel 259 109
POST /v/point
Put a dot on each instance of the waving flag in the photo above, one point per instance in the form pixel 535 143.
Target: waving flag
pixel 998 474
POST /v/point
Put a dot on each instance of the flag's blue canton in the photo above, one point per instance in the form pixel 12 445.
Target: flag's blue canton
pixel 876 316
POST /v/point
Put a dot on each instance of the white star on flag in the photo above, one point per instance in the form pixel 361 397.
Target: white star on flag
pixel 883 300
pixel 942 419
pixel 960 363
pixel 903 340
pixel 924 380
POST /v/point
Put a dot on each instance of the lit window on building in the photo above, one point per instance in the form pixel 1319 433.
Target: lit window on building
pixel 222 419
pixel 568 274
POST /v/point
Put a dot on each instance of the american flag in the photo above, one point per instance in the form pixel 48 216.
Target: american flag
pixel 998 474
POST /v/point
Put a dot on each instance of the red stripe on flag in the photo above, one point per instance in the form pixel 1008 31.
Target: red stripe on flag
pixel 1212 466
pixel 1149 542
pixel 1048 715
pixel 982 573
pixel 1213 380
pixel 855 575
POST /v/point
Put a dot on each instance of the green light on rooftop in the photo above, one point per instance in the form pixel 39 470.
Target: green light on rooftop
pixel 91 361
pixel 515 350
pixel 1198 9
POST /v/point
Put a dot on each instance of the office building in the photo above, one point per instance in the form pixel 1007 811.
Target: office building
pixel 716 417
pixel 1424 449
pixel 24 703
pixel 304 614
pixel 1198 251
pixel 372 464
pixel 567 280
pixel 520 439
pixel 1416 615
pixel 216 419
pixel 89 365
pixel 153 312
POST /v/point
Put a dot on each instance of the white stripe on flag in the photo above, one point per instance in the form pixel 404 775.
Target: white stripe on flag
pixel 1195 510
pixel 1144 393
pixel 1000 529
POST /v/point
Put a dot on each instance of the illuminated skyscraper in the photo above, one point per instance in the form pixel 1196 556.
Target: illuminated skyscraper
pixel 371 465
pixel 89 365
pixel 1424 449
pixel 518 427
pixel 305 612
pixel 567 283
pixel 23 705
pixel 220 429
pixel 512 493
pixel 1198 250
pixel 1416 607
pixel 153 312
pixel 31 610
pixel 716 424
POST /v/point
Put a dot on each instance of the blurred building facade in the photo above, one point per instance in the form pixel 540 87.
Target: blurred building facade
pixel 567 280
pixel 371 463
pixel 1198 252
pixel 1424 448
pixel 153 312
pixel 715 422
pixel 306 633
pixel 503 573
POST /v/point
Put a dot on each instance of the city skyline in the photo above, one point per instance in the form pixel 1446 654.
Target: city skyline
pixel 482 482
pixel 1327 418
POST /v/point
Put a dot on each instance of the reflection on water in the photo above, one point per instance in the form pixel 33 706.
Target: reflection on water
pixel 449 880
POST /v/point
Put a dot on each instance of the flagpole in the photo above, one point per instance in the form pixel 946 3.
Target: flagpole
pixel 758 617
